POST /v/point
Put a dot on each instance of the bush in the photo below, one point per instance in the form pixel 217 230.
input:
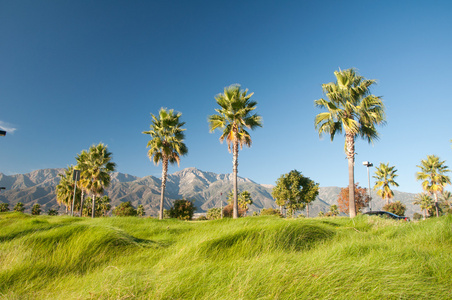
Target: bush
pixel 182 210
pixel 36 210
pixel 417 216
pixel 228 211
pixel 4 207
pixel 202 218
pixel 397 208
pixel 270 212
pixel 214 213
pixel 19 207
pixel 140 210
pixel 52 212
pixel 125 209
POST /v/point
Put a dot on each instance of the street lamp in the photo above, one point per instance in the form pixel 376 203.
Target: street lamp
pixel 369 164
pixel 2 133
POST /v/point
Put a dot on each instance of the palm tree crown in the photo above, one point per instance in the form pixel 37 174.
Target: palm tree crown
pixel 353 109
pixel 433 176
pixel 166 144
pixel 385 178
pixel 234 117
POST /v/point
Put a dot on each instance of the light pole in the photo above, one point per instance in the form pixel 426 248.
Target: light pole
pixel 2 133
pixel 369 164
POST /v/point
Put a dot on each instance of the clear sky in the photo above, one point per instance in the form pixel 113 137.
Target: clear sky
pixel 76 73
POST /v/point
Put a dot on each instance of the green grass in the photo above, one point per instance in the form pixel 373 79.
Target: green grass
pixel 251 258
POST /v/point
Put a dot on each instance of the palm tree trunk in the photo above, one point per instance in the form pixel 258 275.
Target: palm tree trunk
pixel 235 164
pixel 81 202
pixel 94 206
pixel 436 204
pixel 350 143
pixel 162 192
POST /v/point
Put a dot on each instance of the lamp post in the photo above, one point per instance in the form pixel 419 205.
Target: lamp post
pixel 2 133
pixel 369 164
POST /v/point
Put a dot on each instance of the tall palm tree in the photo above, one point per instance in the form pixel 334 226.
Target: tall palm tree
pixel 385 175
pixel 353 109
pixel 433 176
pixel 83 182
pixel 95 171
pixel 166 144
pixel 233 117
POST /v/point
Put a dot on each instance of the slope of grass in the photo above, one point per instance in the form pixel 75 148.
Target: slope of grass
pixel 251 258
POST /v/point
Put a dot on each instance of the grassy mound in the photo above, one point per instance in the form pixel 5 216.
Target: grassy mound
pixel 251 258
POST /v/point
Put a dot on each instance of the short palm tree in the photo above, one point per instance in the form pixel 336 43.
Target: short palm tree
pixel 433 176
pixel 95 167
pixel 424 201
pixel 65 189
pixel 234 117
pixel 385 178
pixel 350 108
pixel 166 144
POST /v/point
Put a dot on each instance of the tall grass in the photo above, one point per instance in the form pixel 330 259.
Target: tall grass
pixel 251 258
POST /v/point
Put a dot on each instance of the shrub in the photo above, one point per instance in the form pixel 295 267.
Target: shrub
pixel 125 209
pixel 417 216
pixel 397 208
pixel 228 210
pixel 36 210
pixel 214 213
pixel 4 207
pixel 202 218
pixel 270 212
pixel 182 210
pixel 52 212
pixel 140 210
pixel 19 207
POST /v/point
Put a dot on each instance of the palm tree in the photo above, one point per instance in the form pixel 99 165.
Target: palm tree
pixel 385 175
pixel 234 117
pixel 433 176
pixel 350 108
pixel 166 144
pixel 95 167
pixel 65 189
pixel 424 201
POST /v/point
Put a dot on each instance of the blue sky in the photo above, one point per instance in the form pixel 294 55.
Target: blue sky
pixel 76 73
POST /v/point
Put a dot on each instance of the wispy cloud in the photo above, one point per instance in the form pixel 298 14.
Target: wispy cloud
pixel 7 127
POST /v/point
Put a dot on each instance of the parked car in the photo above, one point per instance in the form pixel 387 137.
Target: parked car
pixel 386 214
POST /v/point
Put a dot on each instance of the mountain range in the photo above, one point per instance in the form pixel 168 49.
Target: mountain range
pixel 206 189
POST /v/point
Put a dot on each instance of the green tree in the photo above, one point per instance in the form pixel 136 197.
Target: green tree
pixel 95 167
pixel 334 210
pixel 385 175
pixel 65 190
pixel 234 117
pixel 166 144
pixel 140 211
pixel 4 207
pixel 182 210
pixel 353 109
pixel 103 205
pixel 19 207
pixel 36 210
pixel 425 202
pixel 214 213
pixel 294 191
pixel 397 208
pixel 433 176
pixel 244 199
pixel 125 209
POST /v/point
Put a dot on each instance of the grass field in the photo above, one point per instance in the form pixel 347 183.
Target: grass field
pixel 250 258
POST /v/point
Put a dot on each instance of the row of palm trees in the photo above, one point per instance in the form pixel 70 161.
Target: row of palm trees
pixel 95 166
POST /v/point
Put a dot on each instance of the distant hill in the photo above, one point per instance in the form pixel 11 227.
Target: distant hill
pixel 206 189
